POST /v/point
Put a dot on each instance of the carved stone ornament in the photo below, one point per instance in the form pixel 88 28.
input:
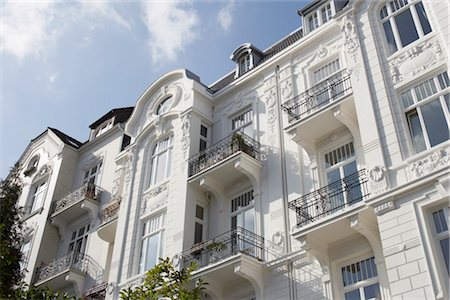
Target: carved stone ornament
pixel 269 98
pixel 155 198
pixel 286 90
pixel 185 129
pixel 129 165
pixel 384 207
pixel 111 287
pixel 432 162
pixel 409 63
pixel 173 90
pixel 278 238
pixel 176 259
pixel 322 51
pixel 351 42
pixel 377 180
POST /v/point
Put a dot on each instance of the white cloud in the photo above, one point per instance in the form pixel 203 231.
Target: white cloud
pixel 26 27
pixel 172 26
pixel 33 27
pixel 102 10
pixel 52 78
pixel 225 15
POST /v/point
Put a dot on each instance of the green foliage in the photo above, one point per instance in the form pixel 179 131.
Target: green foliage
pixel 24 292
pixel 163 280
pixel 10 234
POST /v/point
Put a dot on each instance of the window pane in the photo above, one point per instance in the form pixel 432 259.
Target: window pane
pixel 425 89
pixel 199 212
pixel 406 27
pixel 198 234
pixel 407 99
pixel 447 101
pixel 161 167
pixel 444 81
pixel 353 295
pixel 416 131
pixel 445 252
pixel 423 18
pixel 435 123
pixel 152 251
pixel 249 219
pixel 390 37
pixel 372 292
pixel 439 221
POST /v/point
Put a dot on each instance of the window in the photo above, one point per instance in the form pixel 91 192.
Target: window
pixel 404 21
pixel 25 249
pixel 78 242
pixel 326 71
pixel 427 112
pixel 320 16
pixel 161 160
pixel 243 211
pixel 152 245
pixel 91 175
pixel 203 138
pixel 199 224
pixel 441 234
pixel 104 127
pixel 38 196
pixel 243 122
pixel 341 170
pixel 164 106
pixel 244 64
pixel 360 280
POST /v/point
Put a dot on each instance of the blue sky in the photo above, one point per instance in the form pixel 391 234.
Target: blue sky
pixel 65 64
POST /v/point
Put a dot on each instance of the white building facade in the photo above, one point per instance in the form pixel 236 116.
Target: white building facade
pixel 317 169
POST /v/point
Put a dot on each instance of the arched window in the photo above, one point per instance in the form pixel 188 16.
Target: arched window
pixel 404 21
pixel 164 106
pixel 161 160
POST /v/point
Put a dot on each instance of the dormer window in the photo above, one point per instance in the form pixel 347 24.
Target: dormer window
pixel 320 16
pixel 104 127
pixel 244 64
pixel 246 57
pixel 164 106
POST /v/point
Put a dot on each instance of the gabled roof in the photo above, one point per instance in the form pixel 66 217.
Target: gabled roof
pixel 68 140
pixel 121 114
pixel 267 54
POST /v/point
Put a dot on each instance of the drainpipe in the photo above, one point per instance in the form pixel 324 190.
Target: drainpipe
pixel 291 281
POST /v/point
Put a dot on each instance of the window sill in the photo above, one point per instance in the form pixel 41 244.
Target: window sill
pixel 35 212
pixel 420 40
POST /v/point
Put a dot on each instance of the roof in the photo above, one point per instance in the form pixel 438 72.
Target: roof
pixel 121 116
pixel 68 140
pixel 267 54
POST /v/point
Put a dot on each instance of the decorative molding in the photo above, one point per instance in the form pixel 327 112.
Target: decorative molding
pixel 321 51
pixel 384 207
pixel 269 99
pixel 409 63
pixel 432 162
pixel 351 42
pixel 378 180
pixel 155 198
pixel 278 238
pixel 186 134
pixel 286 90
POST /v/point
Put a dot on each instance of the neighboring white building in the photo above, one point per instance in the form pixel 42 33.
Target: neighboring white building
pixel 317 169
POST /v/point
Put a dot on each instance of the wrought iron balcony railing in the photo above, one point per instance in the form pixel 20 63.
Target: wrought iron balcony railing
pixel 86 191
pixel 331 198
pixel 318 97
pixel 72 260
pixel 111 211
pixel 226 147
pixel 238 240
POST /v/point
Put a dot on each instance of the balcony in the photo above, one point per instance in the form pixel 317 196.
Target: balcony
pixel 331 200
pixel 219 163
pixel 73 268
pixel 317 111
pixel 108 220
pixel 83 200
pixel 232 255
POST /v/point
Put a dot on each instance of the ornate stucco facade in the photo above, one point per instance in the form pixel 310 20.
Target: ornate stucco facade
pixel 317 169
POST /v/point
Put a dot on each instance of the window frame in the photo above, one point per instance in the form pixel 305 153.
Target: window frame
pixel 243 209
pixel 203 138
pixel 244 122
pixel 43 193
pixel 164 106
pixel 389 16
pixel 245 63
pixel 318 13
pixel 26 256
pixel 145 234
pixel 155 155
pixel 437 237
pixel 201 221
pixel 88 175
pixel 360 284
pixel 417 106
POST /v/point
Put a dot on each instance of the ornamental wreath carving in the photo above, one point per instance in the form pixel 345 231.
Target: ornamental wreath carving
pixel 436 160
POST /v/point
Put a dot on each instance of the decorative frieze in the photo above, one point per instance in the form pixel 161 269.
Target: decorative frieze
pixel 269 99
pixel 436 160
pixel 155 198
pixel 384 207
pixel 351 42
pixel 409 63
pixel 186 135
